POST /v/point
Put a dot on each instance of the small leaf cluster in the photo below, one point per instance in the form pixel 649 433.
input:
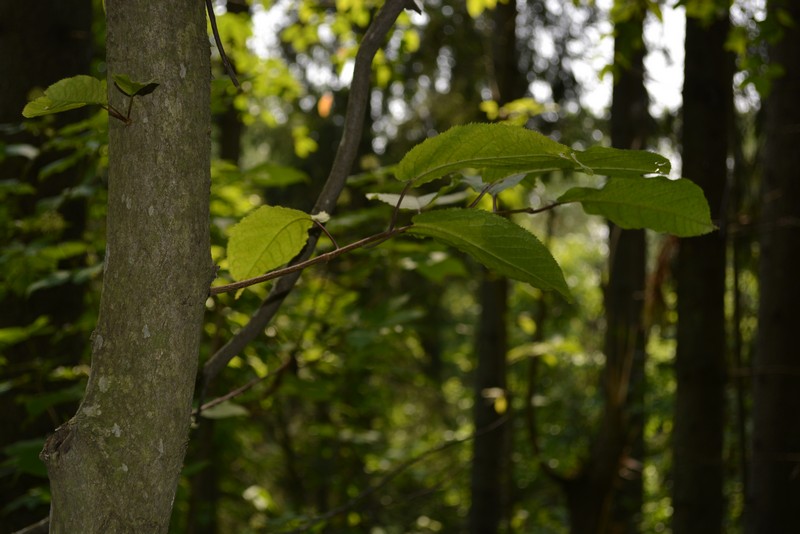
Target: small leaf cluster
pixel 492 158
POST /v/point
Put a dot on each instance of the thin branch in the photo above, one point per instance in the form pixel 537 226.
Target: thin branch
pixel 345 155
pixel 396 210
pixel 391 475
pixel 228 67
pixel 327 233
pixel 297 267
pixel 238 391
pixel 532 211
pixel 40 527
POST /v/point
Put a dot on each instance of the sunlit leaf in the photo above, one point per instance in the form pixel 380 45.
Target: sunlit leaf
pixel 267 238
pixel 132 88
pixel 66 94
pixel 673 206
pixel 496 242
pixel 496 151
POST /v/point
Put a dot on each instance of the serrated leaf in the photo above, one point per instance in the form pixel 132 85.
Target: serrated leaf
pixel 496 242
pixel 66 94
pixel 676 207
pixel 132 88
pixel 496 151
pixel 616 162
pixel 267 238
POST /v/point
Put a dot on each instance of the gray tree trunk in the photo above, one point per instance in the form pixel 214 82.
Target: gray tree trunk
pixel 700 365
pixel 114 466
pixel 776 402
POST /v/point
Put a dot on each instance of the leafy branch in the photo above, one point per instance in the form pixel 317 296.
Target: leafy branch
pixel 326 202
pixel 79 91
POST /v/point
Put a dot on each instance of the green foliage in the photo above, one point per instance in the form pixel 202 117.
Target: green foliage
pixel 79 91
pixel 496 242
pixel 132 88
pixel 267 238
pixel 498 150
pixel 676 207
pixel 66 94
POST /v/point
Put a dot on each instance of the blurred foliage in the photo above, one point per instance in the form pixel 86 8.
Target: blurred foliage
pixel 369 363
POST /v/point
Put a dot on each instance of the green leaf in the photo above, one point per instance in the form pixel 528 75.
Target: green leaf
pixel 66 94
pixel 497 151
pixel 224 410
pixel 496 242
pixel 267 238
pixel 494 150
pixel 615 162
pixel 673 206
pixel 132 88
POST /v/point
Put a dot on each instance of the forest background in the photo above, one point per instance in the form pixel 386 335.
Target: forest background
pixel 401 387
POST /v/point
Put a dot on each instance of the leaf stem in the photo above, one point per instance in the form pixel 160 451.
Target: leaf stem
pixel 382 236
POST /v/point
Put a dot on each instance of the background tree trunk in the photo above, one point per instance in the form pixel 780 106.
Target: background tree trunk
pixel 491 463
pixel 776 402
pixel 115 465
pixel 606 495
pixel 700 365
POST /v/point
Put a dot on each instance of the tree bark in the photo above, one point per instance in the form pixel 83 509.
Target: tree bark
pixel 606 495
pixel 490 449
pixel 491 465
pixel 115 465
pixel 776 402
pixel 700 365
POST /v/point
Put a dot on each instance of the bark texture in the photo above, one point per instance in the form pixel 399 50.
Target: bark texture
pixel 776 443
pixel 114 466
pixel 700 364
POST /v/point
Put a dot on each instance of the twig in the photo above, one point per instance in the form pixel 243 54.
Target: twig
pixel 238 391
pixel 228 67
pixel 532 211
pixel 391 475
pixel 297 267
pixel 40 527
pixel 345 155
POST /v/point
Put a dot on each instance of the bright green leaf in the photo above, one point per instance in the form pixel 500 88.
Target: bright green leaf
pixel 496 242
pixel 267 238
pixel 676 207
pixel 615 162
pixel 132 88
pixel 496 151
pixel 66 94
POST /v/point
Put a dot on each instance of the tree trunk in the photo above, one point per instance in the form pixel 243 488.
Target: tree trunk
pixel 606 496
pixel 625 338
pixel 490 458
pixel 491 476
pixel 114 466
pixel 776 402
pixel 700 365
